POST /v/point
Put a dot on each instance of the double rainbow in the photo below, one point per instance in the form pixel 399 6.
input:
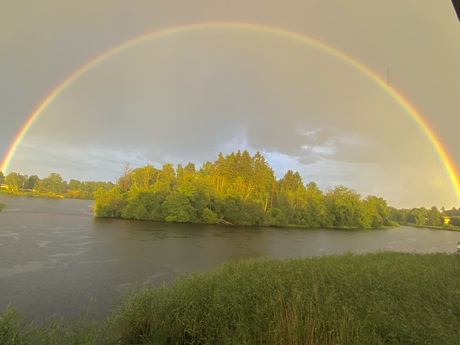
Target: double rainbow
pixel 302 38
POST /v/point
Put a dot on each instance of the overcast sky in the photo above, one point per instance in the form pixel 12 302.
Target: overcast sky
pixel 185 97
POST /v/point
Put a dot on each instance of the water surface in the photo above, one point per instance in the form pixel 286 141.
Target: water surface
pixel 55 256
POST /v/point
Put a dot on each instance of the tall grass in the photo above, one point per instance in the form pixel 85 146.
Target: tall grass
pixel 380 298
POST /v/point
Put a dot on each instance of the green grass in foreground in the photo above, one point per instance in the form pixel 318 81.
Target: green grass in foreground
pixel 381 298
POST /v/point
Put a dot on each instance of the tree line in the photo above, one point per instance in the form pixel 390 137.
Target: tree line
pixel 241 189
pixel 422 216
pixel 52 185
pixel 237 189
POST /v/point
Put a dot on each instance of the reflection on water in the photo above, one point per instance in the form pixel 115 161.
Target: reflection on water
pixel 55 256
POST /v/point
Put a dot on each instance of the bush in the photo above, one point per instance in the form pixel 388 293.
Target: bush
pixel 209 217
pixel 455 221
pixel 274 217
pixel 145 205
pixel 177 208
pixel 109 204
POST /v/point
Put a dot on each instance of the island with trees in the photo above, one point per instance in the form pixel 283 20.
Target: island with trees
pixel 235 189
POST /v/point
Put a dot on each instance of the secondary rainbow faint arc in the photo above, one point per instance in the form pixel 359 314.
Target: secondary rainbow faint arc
pixel 410 109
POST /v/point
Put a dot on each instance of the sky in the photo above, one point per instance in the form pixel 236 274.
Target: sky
pixel 189 94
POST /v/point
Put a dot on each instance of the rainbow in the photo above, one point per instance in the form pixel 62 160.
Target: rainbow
pixel 299 37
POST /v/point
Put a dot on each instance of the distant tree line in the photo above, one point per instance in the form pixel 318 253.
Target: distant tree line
pixel 454 215
pixel 423 216
pixel 53 185
pixel 237 189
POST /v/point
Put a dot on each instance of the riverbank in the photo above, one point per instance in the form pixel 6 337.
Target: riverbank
pixel 393 225
pixel 390 224
pixel 380 298
pixel 34 193
pixel 433 227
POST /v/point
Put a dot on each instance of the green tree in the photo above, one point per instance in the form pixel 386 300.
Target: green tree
pixel 291 197
pixel 377 211
pixel 274 217
pixel 452 212
pixel 217 173
pixel 251 214
pixel 166 178
pixel 204 179
pixel 397 215
pixel 145 204
pixel 177 208
pixel 32 182
pixel 455 221
pixel 110 203
pixel 2 177
pixel 53 183
pixel 238 175
pixel 315 215
pixel 435 217
pixel 416 217
pixel 74 184
pixel 424 212
pixel 234 210
pixel 209 217
pixel 284 203
pixel 15 180
pixel 200 201
pixel 186 180
pixel 143 177
pixel 88 188
pixel 227 209
pixel 345 207
pixel 265 181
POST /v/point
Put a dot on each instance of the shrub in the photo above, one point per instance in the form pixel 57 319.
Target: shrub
pixel 455 221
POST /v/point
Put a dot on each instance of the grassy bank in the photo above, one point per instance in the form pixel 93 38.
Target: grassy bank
pixel 32 193
pixel 435 227
pixel 382 298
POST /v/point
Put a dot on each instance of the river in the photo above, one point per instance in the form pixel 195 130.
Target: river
pixel 56 257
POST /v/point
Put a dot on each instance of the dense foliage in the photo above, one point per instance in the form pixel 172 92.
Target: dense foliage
pixel 236 189
pixel 455 221
pixel 379 298
pixel 52 185
pixel 426 217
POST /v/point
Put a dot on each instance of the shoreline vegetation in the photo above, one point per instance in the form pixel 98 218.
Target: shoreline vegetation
pixel 236 189
pixel 376 298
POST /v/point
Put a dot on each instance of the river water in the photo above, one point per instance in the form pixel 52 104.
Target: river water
pixel 56 257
